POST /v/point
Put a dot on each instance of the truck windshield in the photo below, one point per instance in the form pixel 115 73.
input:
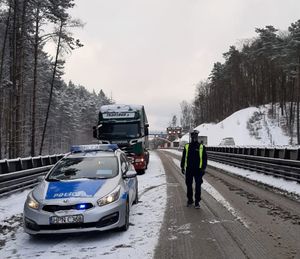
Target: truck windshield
pixel 119 130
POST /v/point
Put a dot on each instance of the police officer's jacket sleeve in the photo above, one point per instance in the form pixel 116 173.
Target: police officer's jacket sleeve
pixel 183 158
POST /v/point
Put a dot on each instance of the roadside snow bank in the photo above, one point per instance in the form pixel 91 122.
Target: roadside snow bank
pixel 251 126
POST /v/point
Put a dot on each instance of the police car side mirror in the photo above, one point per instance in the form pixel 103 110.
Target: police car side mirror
pixel 130 159
pixel 124 168
pixel 129 174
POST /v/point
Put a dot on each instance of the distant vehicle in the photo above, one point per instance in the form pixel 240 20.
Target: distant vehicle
pixel 90 189
pixel 229 141
pixel 174 133
pixel 127 126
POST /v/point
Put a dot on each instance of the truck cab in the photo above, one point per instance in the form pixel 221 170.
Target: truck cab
pixel 126 126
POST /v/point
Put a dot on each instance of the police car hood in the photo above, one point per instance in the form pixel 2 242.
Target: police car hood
pixel 74 189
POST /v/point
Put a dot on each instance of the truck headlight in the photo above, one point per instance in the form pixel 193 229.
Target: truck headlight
pixel 109 198
pixel 32 203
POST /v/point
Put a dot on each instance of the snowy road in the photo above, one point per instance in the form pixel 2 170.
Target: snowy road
pixel 237 219
pixel 140 239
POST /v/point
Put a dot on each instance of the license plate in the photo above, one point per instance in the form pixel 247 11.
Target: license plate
pixel 66 219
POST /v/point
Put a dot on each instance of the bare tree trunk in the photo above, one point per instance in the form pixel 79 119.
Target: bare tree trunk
pixel 52 84
pixel 4 44
pixel 291 119
pixel 19 80
pixel 1 75
pixel 298 133
pixel 36 49
pixel 19 123
pixel 1 119
pixel 13 72
pixel 298 97
pixel 283 93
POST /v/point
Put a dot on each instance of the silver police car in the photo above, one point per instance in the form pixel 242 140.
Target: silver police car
pixel 91 188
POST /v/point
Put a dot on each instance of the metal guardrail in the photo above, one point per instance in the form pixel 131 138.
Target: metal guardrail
pixel 275 161
pixel 19 174
pixel 271 152
pixel 22 173
pixel 282 163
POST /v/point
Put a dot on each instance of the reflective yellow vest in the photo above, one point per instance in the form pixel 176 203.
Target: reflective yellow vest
pixel 186 155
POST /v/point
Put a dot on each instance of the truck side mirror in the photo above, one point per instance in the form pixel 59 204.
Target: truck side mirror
pixel 147 129
pixel 95 132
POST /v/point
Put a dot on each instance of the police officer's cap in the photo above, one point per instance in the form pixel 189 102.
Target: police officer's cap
pixel 194 132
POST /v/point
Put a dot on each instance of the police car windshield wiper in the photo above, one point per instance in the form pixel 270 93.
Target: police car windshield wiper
pixel 53 180
pixel 95 178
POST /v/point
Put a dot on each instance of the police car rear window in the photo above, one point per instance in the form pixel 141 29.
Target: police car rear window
pixel 84 167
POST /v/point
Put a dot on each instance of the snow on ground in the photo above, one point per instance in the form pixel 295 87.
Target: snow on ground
pixel 138 241
pixel 279 183
pixel 267 130
pixel 218 196
pixel 12 205
pixel 288 186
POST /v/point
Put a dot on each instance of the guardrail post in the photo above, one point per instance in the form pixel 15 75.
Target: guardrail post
pixel 53 159
pixel 4 168
pixel 36 162
pixel 294 154
pixel 287 154
pixel 14 165
pixel 257 152
pixel 251 151
pixel 276 153
pixel 281 153
pixel 21 164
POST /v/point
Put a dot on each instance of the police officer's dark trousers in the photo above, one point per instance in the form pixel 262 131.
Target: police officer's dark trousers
pixel 189 177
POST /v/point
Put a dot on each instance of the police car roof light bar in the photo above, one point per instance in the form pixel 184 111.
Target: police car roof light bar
pixel 93 148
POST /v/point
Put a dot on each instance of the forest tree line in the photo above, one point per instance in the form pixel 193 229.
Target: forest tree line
pixel 265 70
pixel 39 112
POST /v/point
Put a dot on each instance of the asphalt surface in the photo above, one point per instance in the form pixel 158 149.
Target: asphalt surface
pixel 260 222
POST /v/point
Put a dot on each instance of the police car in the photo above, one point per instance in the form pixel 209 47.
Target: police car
pixel 91 188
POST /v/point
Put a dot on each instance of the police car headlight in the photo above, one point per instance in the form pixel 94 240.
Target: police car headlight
pixel 113 196
pixel 32 203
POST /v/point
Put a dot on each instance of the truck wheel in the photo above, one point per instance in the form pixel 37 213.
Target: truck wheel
pixel 140 171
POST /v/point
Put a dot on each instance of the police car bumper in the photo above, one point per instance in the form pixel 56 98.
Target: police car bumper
pixel 70 221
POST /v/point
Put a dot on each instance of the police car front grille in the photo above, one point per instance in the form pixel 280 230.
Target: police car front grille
pixel 54 208
pixel 68 226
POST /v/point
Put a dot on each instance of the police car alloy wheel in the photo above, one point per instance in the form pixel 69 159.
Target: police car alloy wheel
pixel 136 200
pixel 126 225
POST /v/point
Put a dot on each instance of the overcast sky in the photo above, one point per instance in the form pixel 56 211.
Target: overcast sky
pixel 154 52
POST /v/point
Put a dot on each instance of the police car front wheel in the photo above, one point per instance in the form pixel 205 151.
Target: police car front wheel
pixel 126 225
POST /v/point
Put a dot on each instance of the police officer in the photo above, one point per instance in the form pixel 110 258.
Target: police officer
pixel 193 165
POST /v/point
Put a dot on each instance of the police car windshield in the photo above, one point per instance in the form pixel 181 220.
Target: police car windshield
pixel 84 167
